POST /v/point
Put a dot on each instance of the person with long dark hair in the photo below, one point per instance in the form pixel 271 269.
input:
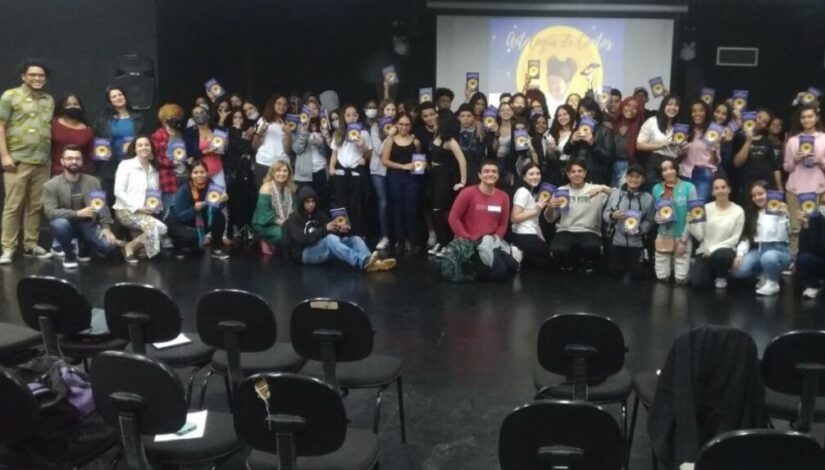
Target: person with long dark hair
pixel 448 174
pixel 810 262
pixel 193 222
pixel 69 127
pixel 700 161
pixel 503 144
pixel 543 146
pixel 527 207
pixel 348 167
pixel 378 172
pixel 805 168
pixel 656 137
pixel 723 115
pixel 764 251
pixel 238 169
pixel 595 147
pixel 561 129
pixel 626 126
pixel 754 161
pixel 478 103
pixel 403 186
pixel 272 142
pixel 120 124
pixel 673 242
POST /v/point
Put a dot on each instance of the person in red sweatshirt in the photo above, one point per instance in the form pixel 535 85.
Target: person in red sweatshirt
pixel 482 209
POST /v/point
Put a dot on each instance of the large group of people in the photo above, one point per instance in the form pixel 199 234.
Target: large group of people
pixel 697 193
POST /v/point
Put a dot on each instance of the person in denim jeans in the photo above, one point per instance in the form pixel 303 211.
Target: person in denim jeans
pixel 311 238
pixel 765 247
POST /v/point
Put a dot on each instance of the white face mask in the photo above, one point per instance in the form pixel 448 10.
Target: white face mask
pixel 335 124
pixel 371 113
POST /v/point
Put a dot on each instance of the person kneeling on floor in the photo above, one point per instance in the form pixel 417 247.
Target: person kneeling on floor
pixel 311 238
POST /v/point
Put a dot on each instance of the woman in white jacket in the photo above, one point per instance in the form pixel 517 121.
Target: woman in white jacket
pixel 765 247
pixel 718 234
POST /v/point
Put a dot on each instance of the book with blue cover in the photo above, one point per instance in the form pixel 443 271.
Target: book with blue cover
pixel 354 132
pixel 97 200
pixel 425 94
pixel 385 124
pixel 339 216
pixel 546 191
pixel 214 193
pixel 748 120
pixel 657 86
pixel 586 126
pixel 292 121
pixel 811 95
pixel 775 200
pixel 305 115
pixel 680 133
pixel 740 99
pixel 631 222
pixel 664 211
pixel 533 69
pixel 419 161
pixel 808 203
pixel 176 151
pixel 713 135
pixel 472 81
pixel 563 197
pixel 390 75
pixel 708 95
pixel 490 117
pixel 214 89
pixel 696 209
pixel 218 142
pixel 102 150
pixel 522 140
pixel 153 202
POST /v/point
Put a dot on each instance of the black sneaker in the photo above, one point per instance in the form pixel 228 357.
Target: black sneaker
pixel 219 254
pixel 70 261
pixel 84 257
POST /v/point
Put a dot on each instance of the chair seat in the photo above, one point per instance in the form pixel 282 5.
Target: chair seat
pixel 14 338
pixel 645 386
pixel 81 347
pixel 786 407
pixel 359 452
pixel 219 440
pixel 614 388
pixel 279 358
pixel 373 371
pixel 191 354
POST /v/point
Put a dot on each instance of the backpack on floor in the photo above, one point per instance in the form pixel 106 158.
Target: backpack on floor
pixel 458 263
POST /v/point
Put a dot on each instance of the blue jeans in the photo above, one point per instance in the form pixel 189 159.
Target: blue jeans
pixel 405 195
pixel 351 250
pixel 768 258
pixel 87 234
pixel 380 184
pixel 619 170
pixel 702 178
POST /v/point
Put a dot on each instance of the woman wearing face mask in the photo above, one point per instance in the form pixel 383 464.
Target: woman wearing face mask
pixel 578 239
pixel 806 170
pixel 403 187
pixel 347 168
pixel 626 126
pixel 765 247
pixel 276 200
pixel 755 160
pixel 673 243
pixel 271 141
pixel 250 110
pixel 527 208
pixel 595 147
pixel 69 127
pixel 448 174
pixel 378 172
pixel 134 177
pixel 193 223
pixel 656 137
pixel 118 123
pixel 172 173
pixel 718 236
pixel 701 159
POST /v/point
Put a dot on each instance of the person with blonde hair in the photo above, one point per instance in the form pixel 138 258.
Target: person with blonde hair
pixel 276 200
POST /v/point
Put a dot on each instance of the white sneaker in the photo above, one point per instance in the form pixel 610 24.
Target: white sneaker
pixel 770 288
pixel 721 283
pixel 70 262
pixel 7 257
pixel 442 252
pixel 432 239
pixel 789 270
pixel 516 253
pixel 37 252
pixel 434 250
pixel 383 244
pixel 57 250
pixel 761 282
pixel 166 243
pixel 809 293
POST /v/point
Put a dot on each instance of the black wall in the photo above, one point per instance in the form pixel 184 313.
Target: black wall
pixel 80 40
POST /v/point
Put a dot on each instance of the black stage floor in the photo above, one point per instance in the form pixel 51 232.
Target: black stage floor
pixel 469 348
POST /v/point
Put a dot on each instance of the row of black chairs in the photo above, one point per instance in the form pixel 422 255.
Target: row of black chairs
pixel 332 340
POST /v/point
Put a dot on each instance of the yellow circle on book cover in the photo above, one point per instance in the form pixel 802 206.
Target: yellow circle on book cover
pixel 418 165
pixel 489 121
pixel 217 141
pixel 545 196
pixel 213 196
pixel 96 203
pixel 388 127
pixel 658 89
pixel 125 147
pixel 808 98
pixel 390 77
pixel 707 98
pixel 679 137
pixel 562 202
pixel 712 135
pixel 472 84
pixel 304 118
pixel 665 212
pixel 749 125
pixel 215 89
pixel 808 207
pixel 425 98
pixel 152 202
pixel 562 52
pixel 739 103
pixel 806 148
pixel 340 220
pixel 774 205
pixel 102 151
pixel 354 134
pixel 521 141
pixel 630 223
pixel 324 123
pixel 291 126
pixel 585 131
pixel 178 153
pixel 697 212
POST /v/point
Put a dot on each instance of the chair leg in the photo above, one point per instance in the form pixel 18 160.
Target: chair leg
pixel 624 417
pixel 190 384
pixel 204 384
pixel 401 410
pixel 228 385
pixel 377 416
pixel 632 429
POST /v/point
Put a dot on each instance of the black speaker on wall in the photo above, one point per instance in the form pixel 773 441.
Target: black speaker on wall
pixel 136 75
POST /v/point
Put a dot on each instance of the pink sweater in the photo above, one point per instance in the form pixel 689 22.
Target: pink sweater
pixel 475 214
pixel 698 154
pixel 802 179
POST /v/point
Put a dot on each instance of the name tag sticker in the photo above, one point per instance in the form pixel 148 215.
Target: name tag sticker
pixel 493 208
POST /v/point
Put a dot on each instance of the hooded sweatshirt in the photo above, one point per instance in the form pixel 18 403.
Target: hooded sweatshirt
pixel 302 229
pixel 626 200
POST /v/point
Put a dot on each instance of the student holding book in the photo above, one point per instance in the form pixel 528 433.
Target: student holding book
pixel 718 236
pixel 73 212
pixel 805 164
pixel 579 216
pixel 271 141
pixel 478 103
pixel 120 124
pixel 626 125
pixel 656 137
pixel 503 144
pixel 276 201
pixel 543 146
pixel 135 178
pixel 810 263
pixel 172 172
pixel 351 151
pixel 471 139
pixel 310 237
pixel 673 242
pixel 765 247
pixel 592 144
pixel 448 174
pixel 561 129
pixel 628 216
pixel 378 172
pixel 754 160
pixel 196 219
pixel 700 158
pixel 723 115
pixel 529 204
pixel 403 181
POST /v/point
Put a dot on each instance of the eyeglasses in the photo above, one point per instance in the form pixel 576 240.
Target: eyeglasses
pixel 36 75
pixel 73 159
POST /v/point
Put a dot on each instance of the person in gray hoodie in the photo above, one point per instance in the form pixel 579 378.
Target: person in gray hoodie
pixel 627 236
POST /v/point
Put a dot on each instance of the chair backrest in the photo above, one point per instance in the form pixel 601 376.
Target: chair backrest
pixel 785 352
pixel 141 313
pixel 563 336
pixel 272 409
pixel 548 434
pixel 59 299
pixel 345 319
pixel 248 314
pixel 18 408
pixel 761 449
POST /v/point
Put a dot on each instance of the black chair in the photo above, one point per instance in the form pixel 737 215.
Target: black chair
pixel 337 337
pixel 293 421
pixel 242 327
pixel 145 314
pixel 793 368
pixel 761 449
pixel 22 415
pixel 557 434
pixel 62 314
pixel 143 397
pixel 581 357
pixel 17 343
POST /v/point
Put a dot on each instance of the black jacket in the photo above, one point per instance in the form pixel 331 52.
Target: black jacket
pixel 812 239
pixel 301 229
pixel 599 156
pixel 710 384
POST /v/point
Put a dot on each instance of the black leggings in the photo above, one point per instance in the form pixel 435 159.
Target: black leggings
pixel 626 259
pixel 706 268
pixel 186 236
pixel 568 247
pixel 348 190
pixel 536 251
pixel 441 182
